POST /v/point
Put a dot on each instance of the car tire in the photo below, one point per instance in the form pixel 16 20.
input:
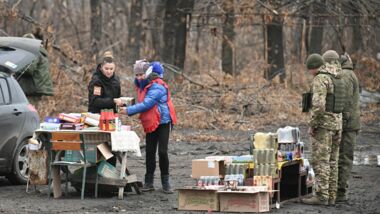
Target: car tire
pixel 20 166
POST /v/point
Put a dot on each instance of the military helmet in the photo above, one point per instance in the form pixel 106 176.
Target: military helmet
pixel 330 55
pixel 314 61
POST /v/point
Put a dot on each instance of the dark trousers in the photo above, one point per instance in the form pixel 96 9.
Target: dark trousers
pixel 160 138
pixel 346 157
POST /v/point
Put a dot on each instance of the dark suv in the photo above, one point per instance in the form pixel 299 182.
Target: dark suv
pixel 18 118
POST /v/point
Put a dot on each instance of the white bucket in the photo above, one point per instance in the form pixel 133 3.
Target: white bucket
pixel 33 147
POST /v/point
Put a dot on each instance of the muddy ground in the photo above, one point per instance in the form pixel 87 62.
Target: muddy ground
pixel 364 194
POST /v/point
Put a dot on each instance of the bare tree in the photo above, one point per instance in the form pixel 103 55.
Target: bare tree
pixel 355 21
pixel 275 49
pixel 153 13
pixel 96 26
pixel 175 31
pixel 134 31
pixel 316 23
pixel 228 48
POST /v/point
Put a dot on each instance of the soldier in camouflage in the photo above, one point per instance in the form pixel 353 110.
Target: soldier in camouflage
pixel 325 131
pixel 351 127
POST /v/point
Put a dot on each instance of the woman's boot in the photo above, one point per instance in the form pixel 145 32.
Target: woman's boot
pixel 166 188
pixel 148 185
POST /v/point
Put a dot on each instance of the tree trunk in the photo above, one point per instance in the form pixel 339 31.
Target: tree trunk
pixel 228 49
pixel 357 38
pixel 185 8
pixel 175 31
pixel 134 31
pixel 96 27
pixel 316 29
pixel 296 48
pixel 275 50
pixel 155 11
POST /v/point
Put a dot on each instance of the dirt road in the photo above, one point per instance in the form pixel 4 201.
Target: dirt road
pixel 364 191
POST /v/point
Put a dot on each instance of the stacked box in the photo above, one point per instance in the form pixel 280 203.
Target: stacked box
pixel 107 170
pixel 265 154
pixel 198 199
pixel 289 145
pixel 75 156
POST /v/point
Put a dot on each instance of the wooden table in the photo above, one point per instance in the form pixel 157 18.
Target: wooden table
pixel 121 142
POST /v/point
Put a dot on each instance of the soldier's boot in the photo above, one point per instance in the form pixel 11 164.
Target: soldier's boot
pixel 148 184
pixel 332 202
pixel 166 188
pixel 314 200
pixel 341 198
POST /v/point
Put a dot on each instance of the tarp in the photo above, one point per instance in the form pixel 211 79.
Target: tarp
pixel 29 61
pixel 36 80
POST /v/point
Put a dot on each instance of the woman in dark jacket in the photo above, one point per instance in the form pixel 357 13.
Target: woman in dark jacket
pixel 104 86
pixel 157 116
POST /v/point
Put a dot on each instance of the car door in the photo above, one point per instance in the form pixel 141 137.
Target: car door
pixel 12 120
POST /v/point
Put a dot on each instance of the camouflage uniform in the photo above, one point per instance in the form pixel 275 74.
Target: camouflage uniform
pixel 327 133
pixel 351 126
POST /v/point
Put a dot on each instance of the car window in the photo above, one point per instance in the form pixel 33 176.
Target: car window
pixel 17 94
pixel 4 92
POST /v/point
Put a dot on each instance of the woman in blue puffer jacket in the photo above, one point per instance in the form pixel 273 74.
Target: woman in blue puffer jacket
pixel 157 115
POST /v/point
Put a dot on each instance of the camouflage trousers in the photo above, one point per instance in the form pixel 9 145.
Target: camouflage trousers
pixel 346 157
pixel 325 151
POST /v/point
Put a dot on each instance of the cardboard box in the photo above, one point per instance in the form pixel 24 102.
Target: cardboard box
pixel 263 181
pixel 94 153
pixel 198 199
pixel 107 170
pixel 203 167
pixel 75 156
pixel 69 118
pixel 239 201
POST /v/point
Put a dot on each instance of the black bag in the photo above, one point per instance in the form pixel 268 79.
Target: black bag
pixel 306 101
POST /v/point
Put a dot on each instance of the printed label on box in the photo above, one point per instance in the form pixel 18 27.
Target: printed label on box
pixel 211 164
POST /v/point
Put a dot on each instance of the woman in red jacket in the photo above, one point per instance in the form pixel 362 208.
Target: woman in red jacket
pixel 157 116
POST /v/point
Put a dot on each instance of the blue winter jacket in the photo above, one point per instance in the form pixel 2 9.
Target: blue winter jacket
pixel 156 95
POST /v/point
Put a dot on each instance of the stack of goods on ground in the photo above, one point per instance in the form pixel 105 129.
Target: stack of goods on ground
pixel 243 183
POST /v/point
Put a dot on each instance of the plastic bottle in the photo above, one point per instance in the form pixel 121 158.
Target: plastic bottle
pixel 102 120
pixel 227 176
pixel 201 182
pixel 106 120
pixel 112 124
pixel 235 172
pixel 240 177
pixel 117 122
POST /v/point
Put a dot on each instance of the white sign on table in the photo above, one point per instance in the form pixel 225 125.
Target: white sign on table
pixel 125 141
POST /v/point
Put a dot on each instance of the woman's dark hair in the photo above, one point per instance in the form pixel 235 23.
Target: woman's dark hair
pixel 107 57
pixel 107 60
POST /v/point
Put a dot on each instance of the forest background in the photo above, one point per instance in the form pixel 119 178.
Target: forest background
pixel 233 64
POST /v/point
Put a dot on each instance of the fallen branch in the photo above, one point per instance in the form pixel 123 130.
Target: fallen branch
pixel 177 70
pixel 57 48
pixel 211 112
